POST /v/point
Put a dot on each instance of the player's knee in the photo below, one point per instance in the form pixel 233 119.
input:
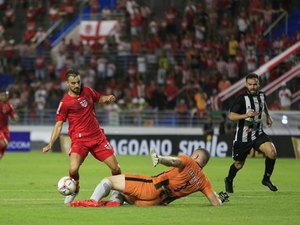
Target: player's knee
pixel 272 153
pixel 106 182
pixel 239 165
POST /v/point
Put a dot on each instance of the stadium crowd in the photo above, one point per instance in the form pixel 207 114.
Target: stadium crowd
pixel 177 60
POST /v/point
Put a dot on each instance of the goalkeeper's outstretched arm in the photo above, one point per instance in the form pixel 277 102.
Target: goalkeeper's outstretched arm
pixel 218 199
pixel 165 160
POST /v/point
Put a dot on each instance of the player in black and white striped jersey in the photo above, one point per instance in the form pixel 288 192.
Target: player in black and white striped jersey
pixel 247 111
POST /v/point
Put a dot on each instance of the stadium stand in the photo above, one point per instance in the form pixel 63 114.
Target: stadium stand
pixel 165 66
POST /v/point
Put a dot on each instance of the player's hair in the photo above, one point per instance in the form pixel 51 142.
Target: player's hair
pixel 72 73
pixel 206 154
pixel 252 76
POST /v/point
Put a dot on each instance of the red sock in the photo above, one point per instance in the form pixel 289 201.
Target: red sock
pixel 74 176
pixel 116 172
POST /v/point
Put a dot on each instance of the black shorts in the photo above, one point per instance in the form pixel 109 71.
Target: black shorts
pixel 242 149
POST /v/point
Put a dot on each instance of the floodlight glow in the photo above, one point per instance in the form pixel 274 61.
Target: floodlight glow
pixel 284 119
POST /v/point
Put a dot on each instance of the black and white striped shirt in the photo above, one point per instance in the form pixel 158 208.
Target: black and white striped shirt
pixel 249 129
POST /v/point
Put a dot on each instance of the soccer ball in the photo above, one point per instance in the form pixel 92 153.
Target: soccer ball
pixel 66 186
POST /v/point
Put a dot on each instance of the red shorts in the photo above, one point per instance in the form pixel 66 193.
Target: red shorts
pixel 99 147
pixel 4 136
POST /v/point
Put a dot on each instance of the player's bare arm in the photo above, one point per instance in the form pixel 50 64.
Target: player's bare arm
pixel 55 134
pixel 235 116
pixel 269 120
pixel 107 99
pixel 165 160
pixel 218 199
pixel 15 118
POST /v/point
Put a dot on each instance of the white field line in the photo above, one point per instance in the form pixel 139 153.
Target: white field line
pixel 12 200
pixel 37 191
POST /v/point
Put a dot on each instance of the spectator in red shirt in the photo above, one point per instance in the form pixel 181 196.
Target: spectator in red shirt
pixel 136 45
pixel 170 19
pixel 29 34
pixel 9 52
pixel 9 16
pixel 96 48
pixel 95 7
pixel 223 84
pixel 31 14
pixel 171 91
pixel 136 23
pixel 67 8
pixel 77 106
pixel 53 14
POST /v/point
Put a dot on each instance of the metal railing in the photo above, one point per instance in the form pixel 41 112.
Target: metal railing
pixel 147 118
pixel 284 15
pixel 284 122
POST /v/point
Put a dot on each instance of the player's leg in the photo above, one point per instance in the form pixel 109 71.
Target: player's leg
pixel 104 152
pixel 3 144
pixel 269 150
pixel 113 164
pixel 234 168
pixel 75 162
pixel 116 199
pixel 239 154
pixel 2 148
pixel 103 189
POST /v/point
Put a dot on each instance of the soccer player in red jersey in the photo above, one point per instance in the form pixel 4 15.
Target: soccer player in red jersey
pixel 6 111
pixel 77 106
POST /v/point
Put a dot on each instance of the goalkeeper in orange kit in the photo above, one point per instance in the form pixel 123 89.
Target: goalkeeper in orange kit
pixel 185 177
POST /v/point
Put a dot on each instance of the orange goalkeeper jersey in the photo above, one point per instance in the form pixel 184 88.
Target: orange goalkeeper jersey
pixel 168 186
pixel 186 180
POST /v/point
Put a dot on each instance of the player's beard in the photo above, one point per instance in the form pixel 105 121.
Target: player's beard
pixel 252 91
pixel 76 90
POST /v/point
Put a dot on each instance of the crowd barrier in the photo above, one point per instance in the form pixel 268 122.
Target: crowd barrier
pixel 217 145
pixel 138 141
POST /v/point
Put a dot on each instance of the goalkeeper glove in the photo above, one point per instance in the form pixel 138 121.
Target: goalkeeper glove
pixel 154 157
pixel 224 197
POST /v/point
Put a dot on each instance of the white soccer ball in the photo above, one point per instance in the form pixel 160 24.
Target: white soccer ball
pixel 66 186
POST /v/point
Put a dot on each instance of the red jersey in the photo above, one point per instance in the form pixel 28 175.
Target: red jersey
pixel 6 111
pixel 81 114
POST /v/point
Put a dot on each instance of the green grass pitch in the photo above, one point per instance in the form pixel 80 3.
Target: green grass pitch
pixel 28 194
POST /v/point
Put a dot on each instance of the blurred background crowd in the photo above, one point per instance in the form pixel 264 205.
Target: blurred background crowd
pixel 169 56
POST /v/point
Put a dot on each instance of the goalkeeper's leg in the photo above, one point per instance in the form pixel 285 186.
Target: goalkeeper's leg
pixel 102 190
